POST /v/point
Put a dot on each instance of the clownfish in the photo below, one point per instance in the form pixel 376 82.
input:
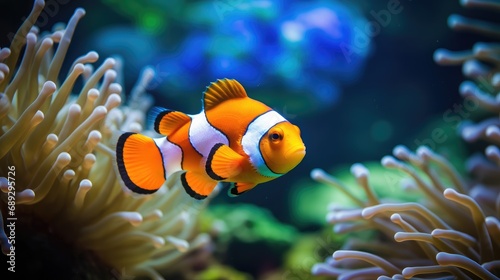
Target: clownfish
pixel 233 139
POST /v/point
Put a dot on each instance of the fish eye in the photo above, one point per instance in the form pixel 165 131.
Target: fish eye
pixel 275 136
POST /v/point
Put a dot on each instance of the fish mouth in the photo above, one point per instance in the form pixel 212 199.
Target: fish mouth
pixel 296 153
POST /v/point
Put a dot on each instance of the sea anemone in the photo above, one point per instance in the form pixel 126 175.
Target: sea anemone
pixel 57 158
pixel 448 234
pixel 455 231
pixel 481 64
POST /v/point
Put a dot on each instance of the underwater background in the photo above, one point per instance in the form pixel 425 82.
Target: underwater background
pixel 385 96
pixel 357 77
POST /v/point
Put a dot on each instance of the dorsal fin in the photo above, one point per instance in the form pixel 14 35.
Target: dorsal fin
pixel 221 90
pixel 168 121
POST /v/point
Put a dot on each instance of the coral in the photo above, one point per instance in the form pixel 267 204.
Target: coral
pixel 455 231
pixel 57 157
pixel 222 272
pixel 278 44
pixel 249 223
pixel 248 228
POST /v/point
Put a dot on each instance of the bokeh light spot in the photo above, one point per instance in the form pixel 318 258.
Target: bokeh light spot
pixel 292 31
pixel 152 22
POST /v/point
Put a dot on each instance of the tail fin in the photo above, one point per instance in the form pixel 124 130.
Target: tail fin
pixel 140 163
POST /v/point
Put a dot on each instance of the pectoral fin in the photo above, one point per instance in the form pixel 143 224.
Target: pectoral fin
pixel 223 162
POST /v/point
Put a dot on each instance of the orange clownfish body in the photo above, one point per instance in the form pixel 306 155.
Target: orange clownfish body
pixel 233 139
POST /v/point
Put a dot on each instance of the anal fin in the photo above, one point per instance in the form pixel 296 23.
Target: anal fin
pixel 240 188
pixel 140 163
pixel 197 185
